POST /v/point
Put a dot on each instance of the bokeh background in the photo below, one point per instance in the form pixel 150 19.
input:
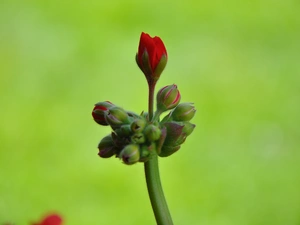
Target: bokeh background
pixel 238 61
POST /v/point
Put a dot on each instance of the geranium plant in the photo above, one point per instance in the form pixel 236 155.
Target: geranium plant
pixel 145 136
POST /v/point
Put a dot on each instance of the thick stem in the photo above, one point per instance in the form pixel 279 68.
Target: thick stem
pixel 156 194
pixel 155 191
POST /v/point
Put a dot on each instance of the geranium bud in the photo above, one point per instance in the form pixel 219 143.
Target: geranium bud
pixel 130 154
pixel 145 153
pixel 151 57
pixel 138 125
pixel 106 147
pixel 177 132
pixel 99 111
pixel 174 131
pixel 138 138
pixel 123 131
pixel 167 98
pixel 116 117
pixel 183 112
pixel 152 132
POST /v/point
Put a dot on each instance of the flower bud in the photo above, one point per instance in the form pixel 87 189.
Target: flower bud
pixel 177 132
pixel 167 98
pixel 138 138
pixel 151 57
pixel 138 125
pixel 116 117
pixel 152 132
pixel 106 147
pixel 99 111
pixel 145 152
pixel 174 132
pixel 123 131
pixel 183 112
pixel 130 154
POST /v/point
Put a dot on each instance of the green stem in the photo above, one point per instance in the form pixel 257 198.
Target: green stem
pixel 156 194
pixel 151 87
pixel 155 191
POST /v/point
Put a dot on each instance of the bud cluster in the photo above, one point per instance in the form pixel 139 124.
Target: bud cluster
pixel 134 138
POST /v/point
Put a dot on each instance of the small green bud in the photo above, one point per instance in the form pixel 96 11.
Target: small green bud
pixel 116 117
pixel 138 138
pixel 152 132
pixel 144 153
pixel 183 112
pixel 123 131
pixel 130 154
pixel 106 147
pixel 138 125
pixel 167 98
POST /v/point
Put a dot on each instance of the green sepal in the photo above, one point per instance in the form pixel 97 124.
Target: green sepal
pixel 160 67
pixel 161 140
pixel 168 150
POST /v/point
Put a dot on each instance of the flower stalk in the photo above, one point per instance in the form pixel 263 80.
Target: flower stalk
pixel 155 190
pixel 145 137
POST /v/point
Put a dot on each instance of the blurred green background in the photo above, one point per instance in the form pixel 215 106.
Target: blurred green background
pixel 238 61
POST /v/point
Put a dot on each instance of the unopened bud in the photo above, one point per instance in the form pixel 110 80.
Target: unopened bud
pixel 167 98
pixel 130 154
pixel 183 112
pixel 144 153
pixel 123 131
pixel 106 147
pixel 99 111
pixel 138 125
pixel 151 57
pixel 138 138
pixel 117 116
pixel 152 132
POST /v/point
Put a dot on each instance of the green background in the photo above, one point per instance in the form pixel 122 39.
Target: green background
pixel 238 61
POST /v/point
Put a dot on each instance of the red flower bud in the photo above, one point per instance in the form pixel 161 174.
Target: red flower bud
pixel 168 98
pixel 99 111
pixel 52 219
pixel 151 57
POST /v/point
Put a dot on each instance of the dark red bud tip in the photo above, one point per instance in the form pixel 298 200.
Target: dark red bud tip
pixel 98 114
